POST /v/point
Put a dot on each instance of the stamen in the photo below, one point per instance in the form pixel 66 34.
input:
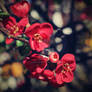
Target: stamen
pixel 16 30
pixel 63 71
pixel 28 25
pixel 67 67
pixel 37 37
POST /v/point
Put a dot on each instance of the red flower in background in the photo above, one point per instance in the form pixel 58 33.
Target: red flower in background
pixel 64 70
pixel 13 1
pixel 14 28
pixel 39 35
pixel 20 9
pixel 35 63
pixel 83 16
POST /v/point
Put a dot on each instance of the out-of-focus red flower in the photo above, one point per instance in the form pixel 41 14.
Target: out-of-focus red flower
pixel 86 15
pixel 35 63
pixel 54 57
pixel 39 35
pixel 13 1
pixel 68 61
pixel 83 16
pixel 14 28
pixel 20 9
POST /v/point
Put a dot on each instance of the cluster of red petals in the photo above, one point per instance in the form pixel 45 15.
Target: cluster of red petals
pixel 20 9
pixel 63 73
pixel 39 35
pixel 65 69
pixel 35 63
pixel 14 28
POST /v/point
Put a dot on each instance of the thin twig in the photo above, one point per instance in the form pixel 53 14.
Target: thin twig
pixel 3 7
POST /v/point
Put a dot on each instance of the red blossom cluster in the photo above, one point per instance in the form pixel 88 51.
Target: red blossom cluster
pixel 63 73
pixel 39 39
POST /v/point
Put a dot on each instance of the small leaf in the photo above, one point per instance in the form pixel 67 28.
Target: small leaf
pixel 19 43
pixel 4 14
pixel 2 38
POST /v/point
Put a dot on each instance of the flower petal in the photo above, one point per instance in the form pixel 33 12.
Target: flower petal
pixel 9 40
pixel 20 9
pixel 23 22
pixel 59 68
pixel 67 77
pixel 38 70
pixel 59 78
pixel 48 73
pixel 33 29
pixel 70 59
pixel 46 28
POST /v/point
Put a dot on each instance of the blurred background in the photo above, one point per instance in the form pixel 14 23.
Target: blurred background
pixel 72 22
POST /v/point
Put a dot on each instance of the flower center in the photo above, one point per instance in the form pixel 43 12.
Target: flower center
pixel 63 71
pixel 55 56
pixel 67 67
pixel 38 37
pixel 15 29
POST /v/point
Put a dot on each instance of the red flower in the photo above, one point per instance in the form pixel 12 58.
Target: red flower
pixel 21 9
pixel 39 35
pixel 83 16
pixel 35 63
pixel 68 61
pixel 63 75
pixel 14 28
pixel 64 70
pixel 54 57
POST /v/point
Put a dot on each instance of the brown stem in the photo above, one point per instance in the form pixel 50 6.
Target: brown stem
pixel 3 7
pixel 5 31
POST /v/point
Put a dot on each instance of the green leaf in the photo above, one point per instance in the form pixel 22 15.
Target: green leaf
pixel 4 14
pixel 2 38
pixel 19 43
